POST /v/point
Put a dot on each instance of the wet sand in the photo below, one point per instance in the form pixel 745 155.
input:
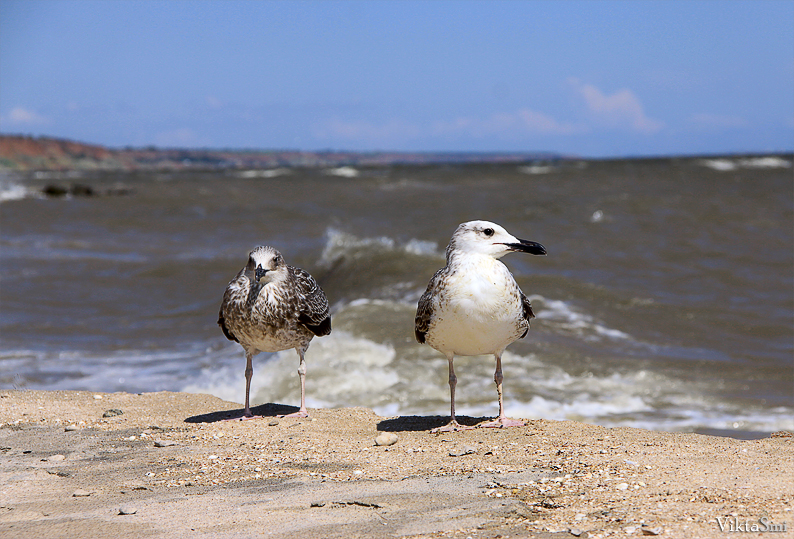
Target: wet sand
pixel 180 468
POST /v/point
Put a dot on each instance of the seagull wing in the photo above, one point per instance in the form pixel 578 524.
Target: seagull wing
pixel 234 298
pixel 224 328
pixel 314 305
pixel 528 314
pixel 424 310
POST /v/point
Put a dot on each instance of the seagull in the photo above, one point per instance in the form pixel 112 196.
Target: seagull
pixel 473 305
pixel 272 306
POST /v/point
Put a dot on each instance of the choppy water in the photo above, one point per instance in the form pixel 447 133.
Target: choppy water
pixel 666 300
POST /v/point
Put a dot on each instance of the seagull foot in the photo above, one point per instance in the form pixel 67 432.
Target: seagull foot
pixel 502 422
pixel 452 426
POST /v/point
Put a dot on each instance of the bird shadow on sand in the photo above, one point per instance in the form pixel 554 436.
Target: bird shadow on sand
pixel 263 410
pixel 428 422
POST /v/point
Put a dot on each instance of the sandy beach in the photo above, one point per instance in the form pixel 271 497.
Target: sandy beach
pixel 82 464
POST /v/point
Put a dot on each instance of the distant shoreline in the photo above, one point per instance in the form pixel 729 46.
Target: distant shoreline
pixel 26 153
pixel 23 153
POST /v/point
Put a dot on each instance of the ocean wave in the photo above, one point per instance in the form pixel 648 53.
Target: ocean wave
pixel 345 369
pixel 727 165
pixel 15 191
pixel 341 370
pixel 341 245
pixel 344 172
pixel 265 173
pixel 563 316
pixel 537 169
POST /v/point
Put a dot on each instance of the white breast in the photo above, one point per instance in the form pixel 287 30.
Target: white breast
pixel 478 310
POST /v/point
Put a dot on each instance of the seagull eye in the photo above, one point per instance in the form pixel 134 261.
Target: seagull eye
pixel 488 232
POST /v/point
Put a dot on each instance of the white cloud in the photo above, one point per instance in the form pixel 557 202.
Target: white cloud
pixel 622 109
pixel 24 116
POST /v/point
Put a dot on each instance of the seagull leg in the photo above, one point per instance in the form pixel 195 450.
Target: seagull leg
pixel 249 373
pixel 453 425
pixel 303 412
pixel 502 420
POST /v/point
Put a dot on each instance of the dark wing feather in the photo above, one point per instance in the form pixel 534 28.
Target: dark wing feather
pixel 528 314
pixel 314 305
pixel 222 324
pixel 424 310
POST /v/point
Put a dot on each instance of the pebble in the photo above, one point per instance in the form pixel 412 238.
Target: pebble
pixel 113 412
pixel 652 531
pixel 272 423
pixel 386 438
pixel 54 458
pixel 128 509
pixel 465 450
pixel 70 428
pixel 622 486
pixel 164 443
pixel 81 493
pixel 576 532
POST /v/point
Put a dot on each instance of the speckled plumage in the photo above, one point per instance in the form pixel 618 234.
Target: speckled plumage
pixel 271 306
pixel 473 305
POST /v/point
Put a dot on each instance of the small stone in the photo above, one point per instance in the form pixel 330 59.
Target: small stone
pixel 54 458
pixel 386 438
pixel 113 412
pixel 81 493
pixel 70 428
pixel 576 532
pixel 128 509
pixel 318 504
pixel 98 397
pixel 272 423
pixel 465 450
pixel 652 531
pixel 630 529
pixel 164 443
pixel 622 486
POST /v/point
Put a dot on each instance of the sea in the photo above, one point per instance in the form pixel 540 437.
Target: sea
pixel 666 300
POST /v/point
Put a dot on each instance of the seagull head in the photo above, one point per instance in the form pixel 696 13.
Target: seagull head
pixel 486 238
pixel 265 265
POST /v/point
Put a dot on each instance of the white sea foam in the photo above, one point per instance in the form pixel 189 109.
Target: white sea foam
pixel 344 172
pixel 727 165
pixel 266 173
pixel 341 245
pixel 765 162
pixel 722 165
pixel 537 169
pixel 567 318
pixel 342 370
pixel 15 191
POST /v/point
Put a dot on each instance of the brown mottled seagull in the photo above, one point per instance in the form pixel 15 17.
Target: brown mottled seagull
pixel 271 306
pixel 474 306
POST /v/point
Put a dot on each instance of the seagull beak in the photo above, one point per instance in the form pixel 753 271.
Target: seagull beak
pixel 259 273
pixel 526 246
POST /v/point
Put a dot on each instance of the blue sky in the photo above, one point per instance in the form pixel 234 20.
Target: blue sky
pixel 592 78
